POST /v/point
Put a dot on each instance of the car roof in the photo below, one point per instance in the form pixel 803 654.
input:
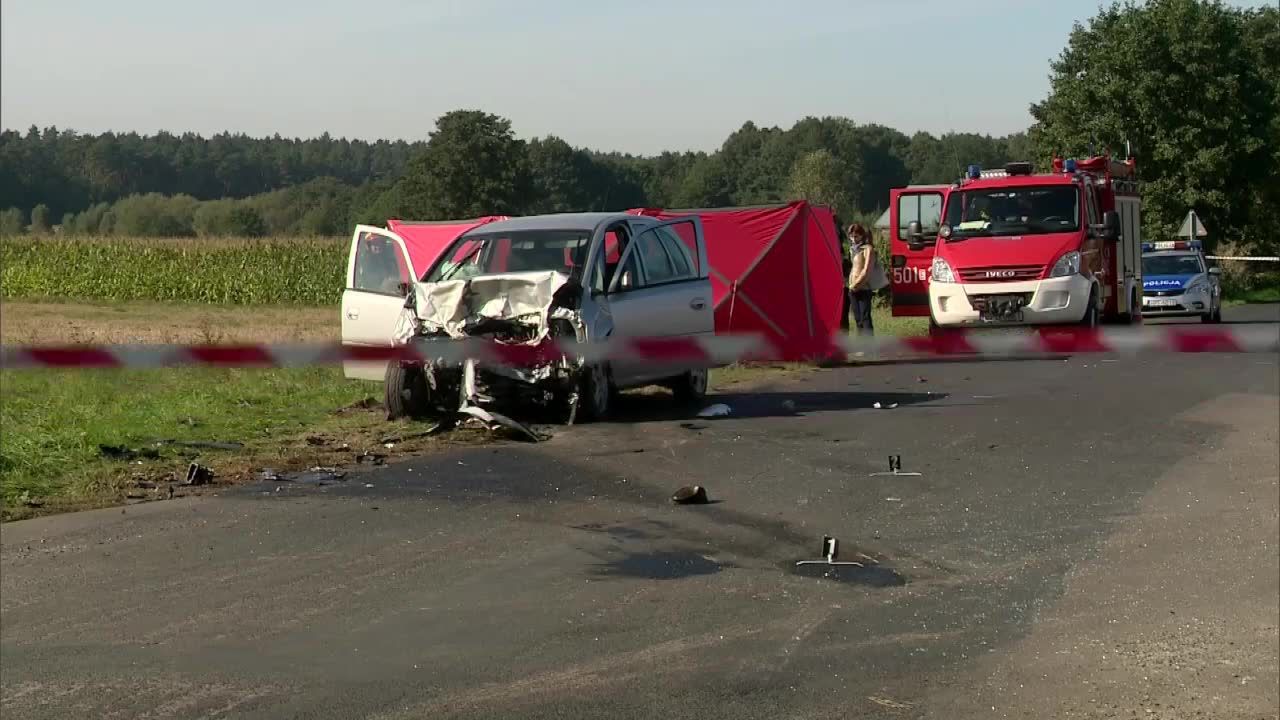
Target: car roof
pixel 556 221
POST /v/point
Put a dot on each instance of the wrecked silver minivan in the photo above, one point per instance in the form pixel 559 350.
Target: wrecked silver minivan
pixel 584 277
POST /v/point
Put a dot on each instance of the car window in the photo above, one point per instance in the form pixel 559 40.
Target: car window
pixel 616 241
pixel 687 233
pixel 925 208
pixel 657 266
pixel 1171 265
pixel 380 264
pixel 680 261
pixel 518 251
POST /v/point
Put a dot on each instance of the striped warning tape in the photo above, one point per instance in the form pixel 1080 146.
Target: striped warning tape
pixel 695 351
pixel 1263 258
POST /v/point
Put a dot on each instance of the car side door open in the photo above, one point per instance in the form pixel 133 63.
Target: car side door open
pixel 672 296
pixel 915 214
pixel 379 276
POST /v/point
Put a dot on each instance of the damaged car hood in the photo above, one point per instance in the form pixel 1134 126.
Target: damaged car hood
pixel 450 305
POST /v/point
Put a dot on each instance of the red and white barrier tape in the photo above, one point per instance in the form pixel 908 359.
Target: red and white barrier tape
pixel 679 351
pixel 1264 258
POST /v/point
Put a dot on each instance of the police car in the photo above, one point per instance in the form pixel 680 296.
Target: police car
pixel 1177 282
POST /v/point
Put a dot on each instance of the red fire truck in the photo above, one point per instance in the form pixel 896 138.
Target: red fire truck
pixel 1011 247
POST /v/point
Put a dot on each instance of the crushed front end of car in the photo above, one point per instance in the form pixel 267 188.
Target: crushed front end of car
pixel 530 309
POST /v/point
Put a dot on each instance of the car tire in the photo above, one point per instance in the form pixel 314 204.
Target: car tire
pixel 1090 319
pixel 406 393
pixel 595 394
pixel 691 387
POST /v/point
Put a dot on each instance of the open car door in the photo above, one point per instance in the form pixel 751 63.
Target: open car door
pixel 660 289
pixel 911 256
pixel 379 277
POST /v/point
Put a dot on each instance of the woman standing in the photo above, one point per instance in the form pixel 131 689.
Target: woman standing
pixel 865 277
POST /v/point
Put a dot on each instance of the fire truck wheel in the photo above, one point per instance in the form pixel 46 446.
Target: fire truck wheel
pixel 1090 319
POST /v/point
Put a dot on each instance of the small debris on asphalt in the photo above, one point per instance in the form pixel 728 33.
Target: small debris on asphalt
pixel 717 410
pixel 369 485
pixel 922 379
pixel 890 406
pixel 368 458
pixel 198 474
pixel 992 446
pixel 694 426
pixel 690 495
pixel 389 445
pixel 893 499
pixel 270 475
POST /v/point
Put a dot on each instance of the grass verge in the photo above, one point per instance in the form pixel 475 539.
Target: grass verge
pixel 53 422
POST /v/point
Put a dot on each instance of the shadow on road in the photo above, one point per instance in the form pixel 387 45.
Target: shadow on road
pixel 661 407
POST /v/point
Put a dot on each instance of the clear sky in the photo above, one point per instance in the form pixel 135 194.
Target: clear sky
pixel 631 75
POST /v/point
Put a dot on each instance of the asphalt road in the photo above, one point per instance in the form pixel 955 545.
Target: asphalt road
pixel 1088 537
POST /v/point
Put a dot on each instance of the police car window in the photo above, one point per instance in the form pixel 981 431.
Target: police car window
pixel 1172 265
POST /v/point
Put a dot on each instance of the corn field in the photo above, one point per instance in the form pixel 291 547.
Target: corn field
pixel 224 271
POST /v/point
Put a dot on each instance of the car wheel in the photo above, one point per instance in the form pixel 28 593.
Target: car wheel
pixel 691 387
pixel 595 396
pixel 1090 319
pixel 406 393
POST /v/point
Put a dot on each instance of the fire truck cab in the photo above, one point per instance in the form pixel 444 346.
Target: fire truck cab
pixel 1011 247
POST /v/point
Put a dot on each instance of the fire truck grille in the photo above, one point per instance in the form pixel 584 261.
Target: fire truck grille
pixel 1007 273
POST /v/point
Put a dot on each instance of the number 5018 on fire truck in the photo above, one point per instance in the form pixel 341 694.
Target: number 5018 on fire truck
pixel 1011 247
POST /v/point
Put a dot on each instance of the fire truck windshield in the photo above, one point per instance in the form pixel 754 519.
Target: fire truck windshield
pixel 1031 210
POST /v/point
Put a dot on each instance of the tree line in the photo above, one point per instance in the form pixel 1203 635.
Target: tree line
pixel 473 164
pixel 1192 86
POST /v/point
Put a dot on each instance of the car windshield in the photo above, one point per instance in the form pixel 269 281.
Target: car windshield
pixel 1171 265
pixel 520 251
pixel 1013 211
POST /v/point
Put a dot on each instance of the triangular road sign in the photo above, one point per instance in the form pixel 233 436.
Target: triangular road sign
pixel 1192 227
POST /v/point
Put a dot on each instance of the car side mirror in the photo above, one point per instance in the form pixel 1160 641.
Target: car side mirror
pixel 915 235
pixel 1215 271
pixel 1111 225
pixel 404 288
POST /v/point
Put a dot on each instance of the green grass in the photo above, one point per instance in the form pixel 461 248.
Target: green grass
pixel 225 271
pixel 54 421
pixel 1256 295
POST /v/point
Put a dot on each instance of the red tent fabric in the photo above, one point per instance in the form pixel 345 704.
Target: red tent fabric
pixel 426 240
pixel 774 270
